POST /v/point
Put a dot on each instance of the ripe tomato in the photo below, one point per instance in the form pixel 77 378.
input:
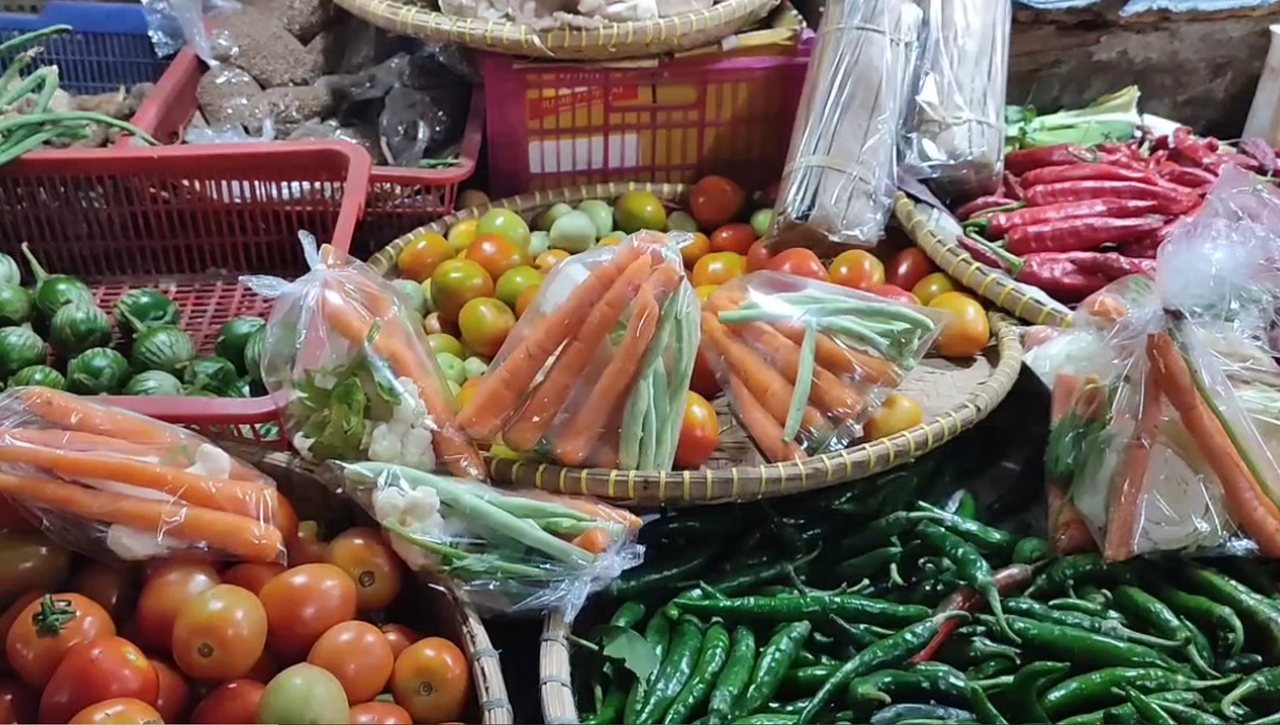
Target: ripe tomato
pixel 718 267
pixel 28 560
pixel 699 433
pixel 485 324
pixel 931 286
pixel 705 291
pixel 704 377
pixel 696 246
pixel 119 711
pixel 359 655
pixel 379 713
pixel 908 267
pixel 230 702
pixel 251 576
pixel 17 704
pixel 457 282
pixel 715 201
pixel 525 301
pixel 550 259
pixel 46 629
pixel 800 262
pixel 898 413
pixel 164 594
pixel 496 254
pixel 11 615
pixel 857 269
pixel 370 563
pixel 758 256
pixel 512 284
pixel 264 669
pixel 892 292
pixel 399 637
pixel 302 603
pixel 219 634
pixel 967 333
pixel 420 257
pixel 736 237
pixel 173 694
pixel 286 519
pixel 307 548
pixel 102 669
pixel 432 680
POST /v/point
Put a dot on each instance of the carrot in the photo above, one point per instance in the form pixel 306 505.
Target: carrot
pixel 760 424
pixel 549 397
pixel 1127 496
pixel 605 452
pixel 238 497
pixel 504 385
pixel 601 512
pixel 595 540
pixel 844 360
pixel 1107 307
pixel 404 353
pixel 1247 504
pixel 1067 530
pixel 236 535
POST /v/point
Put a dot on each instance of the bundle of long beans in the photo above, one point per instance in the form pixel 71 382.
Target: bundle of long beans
pixel 26 123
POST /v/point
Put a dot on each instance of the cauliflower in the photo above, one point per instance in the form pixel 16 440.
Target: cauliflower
pixel 405 439
pixel 416 511
pixel 211 461
pixel 134 545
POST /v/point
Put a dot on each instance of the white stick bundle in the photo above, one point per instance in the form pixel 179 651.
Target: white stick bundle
pixel 842 165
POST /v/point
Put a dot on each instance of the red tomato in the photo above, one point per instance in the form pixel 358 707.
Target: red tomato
pixel 307 548
pixel 112 587
pixel 11 615
pixel 251 576
pixel 704 377
pixel 286 519
pixel 379 713
pixel 370 563
pixel 302 604
pixel 432 680
pixel 165 592
pixel 173 694
pixel 857 269
pixel 908 267
pixel 17 704
pixel 891 292
pixel 120 711
pixel 717 268
pixel 800 262
pixel 496 254
pixel 399 637
pixel 264 669
pixel 102 669
pixel 230 702
pixel 758 256
pixel 46 630
pixel 736 237
pixel 715 201
pixel 485 323
pixel 457 282
pixel 220 633
pixel 359 655
pixel 699 433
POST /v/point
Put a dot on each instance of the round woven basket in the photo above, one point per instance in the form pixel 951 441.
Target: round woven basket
pixel 954 397
pixel 934 231
pixel 434 611
pixel 608 42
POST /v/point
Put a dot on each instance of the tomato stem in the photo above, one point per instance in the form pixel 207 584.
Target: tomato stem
pixel 54 615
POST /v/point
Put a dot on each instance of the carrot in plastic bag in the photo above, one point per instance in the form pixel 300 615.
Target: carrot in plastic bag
pixel 1067 530
pixel 1127 496
pixel 760 424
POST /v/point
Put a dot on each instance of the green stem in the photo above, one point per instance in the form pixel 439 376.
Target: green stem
pixel 803 383
pixel 10 124
pixel 1012 262
pixel 13 44
pixel 451 557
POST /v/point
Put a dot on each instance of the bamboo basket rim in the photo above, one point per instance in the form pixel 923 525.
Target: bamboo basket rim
pixel 741 482
pixel 953 259
pixel 614 41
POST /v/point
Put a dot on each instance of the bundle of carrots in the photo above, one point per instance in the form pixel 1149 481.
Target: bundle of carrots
pixel 599 379
pixel 804 361
pixel 155 488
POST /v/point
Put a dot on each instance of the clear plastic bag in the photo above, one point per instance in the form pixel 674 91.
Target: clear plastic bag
pixel 351 362
pixel 118 485
pixel 597 370
pixel 1162 429
pixel 841 170
pixel 505 551
pixel 805 362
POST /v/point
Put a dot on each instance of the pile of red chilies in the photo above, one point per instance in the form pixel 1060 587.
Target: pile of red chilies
pixel 1070 220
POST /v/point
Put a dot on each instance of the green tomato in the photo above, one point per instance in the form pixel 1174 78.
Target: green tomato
pixel 514 281
pixel 539 242
pixel 452 366
pixel 506 224
pixel 454 388
pixel 443 342
pixel 681 221
pixel 413 295
pixel 475 367
pixel 761 220
pixel 574 232
pixel 601 215
pixel 547 218
pixel 304 694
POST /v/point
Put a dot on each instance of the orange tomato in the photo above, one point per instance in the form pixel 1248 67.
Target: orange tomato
pixel 699 432
pixel 251 576
pixel 457 282
pixel 932 285
pixel 799 262
pixel 968 332
pixel 220 634
pixel 485 324
pixel 307 548
pixel 264 669
pixel 432 680
pixel 371 564
pixel 379 713
pixel 696 247
pixel 758 256
pixel 119 711
pixel 718 267
pixel 857 269
pixel 399 637
pixel 908 267
pixel 11 615
pixel 420 257
pixel 550 259
pixel 230 702
pixel 358 655
pixel 705 291
pixel 525 300
pixel 898 413
pixel 496 254
pixel 715 201
pixel 465 392
pixel 891 292
pixel 45 631
pixel 302 604
pixel 94 671
pixel 17 704
pixel 172 694
pixel 736 237
pixel 170 587
pixel 286 519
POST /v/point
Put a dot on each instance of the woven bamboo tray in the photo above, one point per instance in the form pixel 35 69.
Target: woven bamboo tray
pixel 934 231
pixel 954 397
pixel 609 42
pixel 434 612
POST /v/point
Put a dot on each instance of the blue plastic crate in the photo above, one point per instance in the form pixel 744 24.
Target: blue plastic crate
pixel 109 47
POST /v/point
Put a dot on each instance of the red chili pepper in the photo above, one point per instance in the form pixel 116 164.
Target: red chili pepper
pixel 1172 202
pixel 1109 264
pixel 1079 234
pixel 1248 163
pixel 1024 160
pixel 1145 249
pixel 980 250
pixel 1211 144
pixel 1011 579
pixel 981 204
pixel 1012 187
pixel 1083 172
pixel 1185 176
pixel 1157 158
pixel 998 224
pixel 1061 279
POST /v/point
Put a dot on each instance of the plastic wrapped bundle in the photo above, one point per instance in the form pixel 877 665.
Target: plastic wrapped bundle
pixel 955 135
pixel 841 169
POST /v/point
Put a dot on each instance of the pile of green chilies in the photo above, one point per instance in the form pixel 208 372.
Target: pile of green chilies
pixel 843 611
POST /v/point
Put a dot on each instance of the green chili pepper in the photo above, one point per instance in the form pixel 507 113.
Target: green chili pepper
pixel 992 669
pixel 1053 641
pixel 663 575
pixel 612 706
pixel 910 712
pixel 1251 573
pixel 988 539
pixel 1031 609
pixel 1208 615
pixel 658 634
pixel 774 662
pixel 1254 610
pixel 1156 617
pixel 1179 704
pixel 1031 550
pixel 1147 709
pixel 1092 594
pixel 972 651
pixel 850 607
pixel 877 533
pixel 807 680
pixel 1084 606
pixel 857 636
pixel 767 718
pixel 971 567
pixel 963 504
pixel 1024 693
pixel 1097 689
pixel 675 671
pixel 715 651
pixel 1273 719
pixel 1066 571
pixel 933 681
pixel 870 564
pixel 1263 682
pixel 1243 664
pixel 682 526
pixel 733 678
pixel 750 577
pixel 628 615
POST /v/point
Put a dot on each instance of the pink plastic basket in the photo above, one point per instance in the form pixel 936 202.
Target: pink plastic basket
pixel 554 125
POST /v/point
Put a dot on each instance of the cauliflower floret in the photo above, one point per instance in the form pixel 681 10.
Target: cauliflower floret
pixel 211 461
pixel 404 439
pixel 303 445
pixel 417 511
pixel 385 443
pixel 410 410
pixel 133 544
pixel 415 449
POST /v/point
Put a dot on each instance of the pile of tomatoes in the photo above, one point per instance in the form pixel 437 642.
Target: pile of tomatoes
pixel 192 642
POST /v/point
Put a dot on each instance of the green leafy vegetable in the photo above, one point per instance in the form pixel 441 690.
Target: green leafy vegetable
pixel 1112 117
pixel 335 418
pixel 629 648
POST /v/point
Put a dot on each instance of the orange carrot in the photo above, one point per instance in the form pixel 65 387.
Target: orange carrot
pixel 239 536
pixel 601 511
pixel 760 425
pixel 549 397
pixel 1068 532
pixel 595 540
pixel 1126 498
pixel 503 387
pixel 1246 502
pixel 844 360
pixel 605 452
pixel 1106 306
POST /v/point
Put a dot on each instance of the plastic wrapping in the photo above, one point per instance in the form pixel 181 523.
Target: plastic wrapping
pixel 355 370
pixel 955 134
pixel 597 369
pixel 225 94
pixel 505 551
pixel 804 362
pixel 120 486
pixel 1164 411
pixel 841 169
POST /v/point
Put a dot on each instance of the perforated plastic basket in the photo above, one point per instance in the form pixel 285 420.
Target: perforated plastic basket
pixel 188 221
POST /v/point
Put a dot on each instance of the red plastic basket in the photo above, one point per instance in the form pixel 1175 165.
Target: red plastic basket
pixel 188 221
pixel 400 199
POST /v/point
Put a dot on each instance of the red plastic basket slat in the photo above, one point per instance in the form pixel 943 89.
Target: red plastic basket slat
pixel 189 221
